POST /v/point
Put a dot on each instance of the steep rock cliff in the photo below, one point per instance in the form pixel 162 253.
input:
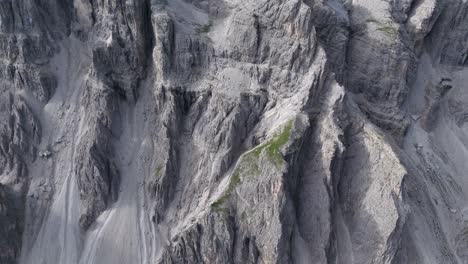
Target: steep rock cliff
pixel 267 131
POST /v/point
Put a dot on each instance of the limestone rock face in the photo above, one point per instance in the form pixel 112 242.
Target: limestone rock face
pixel 202 131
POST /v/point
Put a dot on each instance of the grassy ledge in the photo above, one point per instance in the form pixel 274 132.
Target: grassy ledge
pixel 273 146
pixel 158 171
pixel 235 180
pixel 248 163
pixel 205 28
pixel 388 30
pixel 384 27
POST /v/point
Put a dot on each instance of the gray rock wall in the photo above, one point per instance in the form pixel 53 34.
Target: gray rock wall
pixel 268 131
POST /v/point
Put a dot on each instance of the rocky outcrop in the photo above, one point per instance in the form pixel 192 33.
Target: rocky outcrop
pixel 121 39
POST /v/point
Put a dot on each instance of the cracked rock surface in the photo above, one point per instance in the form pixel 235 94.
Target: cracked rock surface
pixel 233 131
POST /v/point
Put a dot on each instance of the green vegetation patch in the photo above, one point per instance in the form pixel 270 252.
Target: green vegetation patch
pixel 205 28
pixel 235 180
pixel 248 163
pixel 389 30
pixel 273 146
pixel 158 171
pixel 384 27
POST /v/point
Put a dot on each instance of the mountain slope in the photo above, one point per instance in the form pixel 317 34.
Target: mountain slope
pixel 267 131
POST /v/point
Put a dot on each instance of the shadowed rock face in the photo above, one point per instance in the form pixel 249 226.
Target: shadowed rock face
pixel 11 228
pixel 266 131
